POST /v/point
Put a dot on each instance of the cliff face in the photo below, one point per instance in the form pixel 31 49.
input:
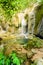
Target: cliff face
pixel 39 20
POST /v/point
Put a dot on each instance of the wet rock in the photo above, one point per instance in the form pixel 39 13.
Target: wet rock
pixel 39 61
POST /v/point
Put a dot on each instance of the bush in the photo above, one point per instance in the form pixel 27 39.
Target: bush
pixel 8 60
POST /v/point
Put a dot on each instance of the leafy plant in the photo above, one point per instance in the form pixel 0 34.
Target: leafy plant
pixel 2 58
pixel 14 58
pixel 12 6
pixel 8 60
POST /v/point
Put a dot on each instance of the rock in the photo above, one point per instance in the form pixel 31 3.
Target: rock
pixel 26 62
pixel 38 29
pixel 39 61
pixel 37 55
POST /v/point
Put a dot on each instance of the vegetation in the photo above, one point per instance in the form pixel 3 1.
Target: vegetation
pixel 11 7
pixel 12 59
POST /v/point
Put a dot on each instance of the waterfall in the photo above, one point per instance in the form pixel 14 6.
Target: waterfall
pixel 31 22
pixel 23 24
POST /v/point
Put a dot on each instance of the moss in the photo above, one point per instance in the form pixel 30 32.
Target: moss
pixel 34 43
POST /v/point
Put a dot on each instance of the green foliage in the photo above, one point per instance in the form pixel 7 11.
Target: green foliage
pixel 2 59
pixel 34 43
pixel 8 60
pixel 14 58
pixel 12 6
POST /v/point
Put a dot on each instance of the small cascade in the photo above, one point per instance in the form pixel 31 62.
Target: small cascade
pixel 23 31
pixel 23 24
pixel 31 22
pixel 29 31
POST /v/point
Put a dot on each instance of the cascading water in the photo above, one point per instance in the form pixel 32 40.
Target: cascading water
pixel 31 22
pixel 23 25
